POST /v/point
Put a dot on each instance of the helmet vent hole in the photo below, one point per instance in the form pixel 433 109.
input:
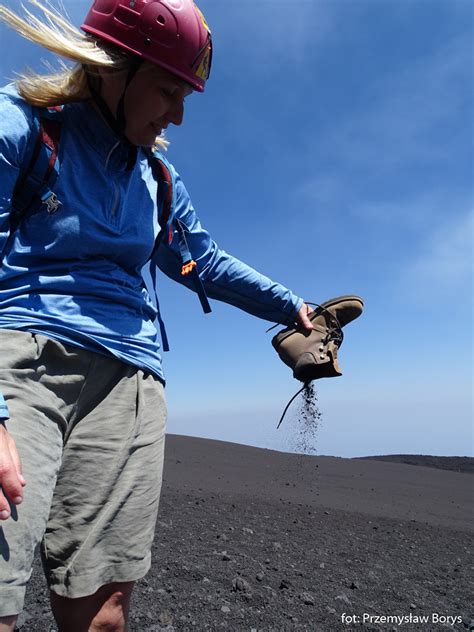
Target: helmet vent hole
pixel 161 20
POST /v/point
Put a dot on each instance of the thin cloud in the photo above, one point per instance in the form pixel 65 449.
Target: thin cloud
pixel 391 168
pixel 413 213
pixel 405 117
pixel 270 33
pixel 445 261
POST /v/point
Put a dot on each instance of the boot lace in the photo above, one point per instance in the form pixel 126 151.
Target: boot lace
pixel 334 334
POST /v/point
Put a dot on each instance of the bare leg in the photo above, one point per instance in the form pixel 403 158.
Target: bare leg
pixel 105 611
pixel 7 624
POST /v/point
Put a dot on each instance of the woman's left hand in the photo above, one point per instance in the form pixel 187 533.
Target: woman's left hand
pixel 302 317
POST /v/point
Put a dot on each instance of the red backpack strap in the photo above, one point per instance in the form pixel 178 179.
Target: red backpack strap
pixel 42 163
pixel 39 171
pixel 166 180
pixel 166 201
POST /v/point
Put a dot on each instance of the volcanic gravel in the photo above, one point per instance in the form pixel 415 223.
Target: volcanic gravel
pixel 261 541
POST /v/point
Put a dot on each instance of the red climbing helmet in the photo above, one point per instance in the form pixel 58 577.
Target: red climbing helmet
pixel 170 33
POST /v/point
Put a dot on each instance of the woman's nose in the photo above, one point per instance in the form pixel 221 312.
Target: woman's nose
pixel 176 114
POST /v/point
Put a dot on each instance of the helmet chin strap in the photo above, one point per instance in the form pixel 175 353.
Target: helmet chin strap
pixel 118 122
pixel 135 64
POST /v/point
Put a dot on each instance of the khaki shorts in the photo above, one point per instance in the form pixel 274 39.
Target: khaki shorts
pixel 90 431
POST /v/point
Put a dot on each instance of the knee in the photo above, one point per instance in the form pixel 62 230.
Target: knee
pixel 7 624
pixel 112 616
pixel 105 611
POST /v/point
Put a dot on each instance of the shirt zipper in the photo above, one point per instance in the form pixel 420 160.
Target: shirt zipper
pixel 116 199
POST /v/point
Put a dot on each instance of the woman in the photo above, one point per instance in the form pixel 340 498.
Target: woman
pixel 83 410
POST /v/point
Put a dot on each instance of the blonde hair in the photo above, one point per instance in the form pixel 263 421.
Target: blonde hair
pixel 70 83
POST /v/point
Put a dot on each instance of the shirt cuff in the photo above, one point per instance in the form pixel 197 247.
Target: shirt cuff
pixel 3 409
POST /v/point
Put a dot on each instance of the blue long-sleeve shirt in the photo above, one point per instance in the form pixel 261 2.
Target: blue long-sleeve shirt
pixel 76 275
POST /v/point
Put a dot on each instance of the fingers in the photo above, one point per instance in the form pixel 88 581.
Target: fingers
pixel 302 317
pixel 11 479
pixel 15 458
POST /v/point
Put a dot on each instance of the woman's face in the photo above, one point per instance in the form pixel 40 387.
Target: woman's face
pixel 154 99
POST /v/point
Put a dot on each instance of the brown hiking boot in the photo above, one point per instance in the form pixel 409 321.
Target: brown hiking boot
pixel 313 354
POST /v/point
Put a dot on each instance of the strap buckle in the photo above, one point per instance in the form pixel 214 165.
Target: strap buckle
pixel 52 202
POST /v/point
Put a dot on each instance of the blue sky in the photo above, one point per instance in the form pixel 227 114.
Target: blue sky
pixel 332 151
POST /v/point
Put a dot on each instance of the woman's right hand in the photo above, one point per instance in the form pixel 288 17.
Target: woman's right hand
pixel 11 479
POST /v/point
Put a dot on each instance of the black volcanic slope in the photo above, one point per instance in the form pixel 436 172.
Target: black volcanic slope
pixel 256 540
pixel 453 463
